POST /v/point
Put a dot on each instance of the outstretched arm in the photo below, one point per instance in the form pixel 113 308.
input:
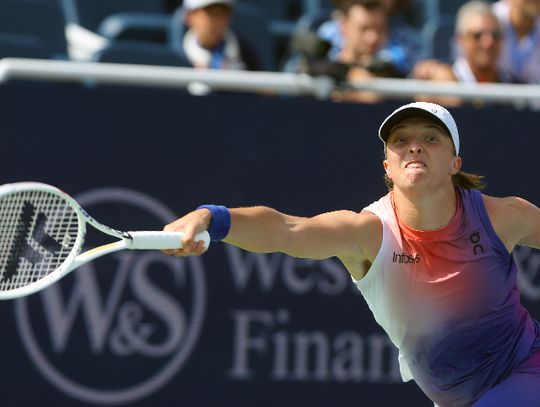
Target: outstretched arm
pixel 262 229
pixel 348 235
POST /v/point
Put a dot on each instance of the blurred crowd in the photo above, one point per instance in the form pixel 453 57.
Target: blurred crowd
pixel 348 40
pixel 496 42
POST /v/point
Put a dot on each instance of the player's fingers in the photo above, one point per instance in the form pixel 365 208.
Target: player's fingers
pixel 199 248
pixel 196 248
pixel 189 225
pixel 188 238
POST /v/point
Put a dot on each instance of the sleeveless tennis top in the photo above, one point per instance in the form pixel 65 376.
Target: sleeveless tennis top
pixel 449 302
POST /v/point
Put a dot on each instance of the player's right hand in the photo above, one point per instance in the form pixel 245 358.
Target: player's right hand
pixel 190 225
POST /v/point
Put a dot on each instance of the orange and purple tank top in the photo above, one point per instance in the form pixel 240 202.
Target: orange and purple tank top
pixel 448 300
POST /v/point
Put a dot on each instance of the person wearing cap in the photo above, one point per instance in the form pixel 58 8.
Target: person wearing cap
pixel 209 41
pixel 432 258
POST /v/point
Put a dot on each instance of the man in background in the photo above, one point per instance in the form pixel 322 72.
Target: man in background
pixel 402 47
pixel 479 39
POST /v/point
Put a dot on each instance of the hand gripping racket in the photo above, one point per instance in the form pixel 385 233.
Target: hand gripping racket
pixel 42 231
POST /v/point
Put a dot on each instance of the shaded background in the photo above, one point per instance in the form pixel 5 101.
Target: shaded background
pixel 265 329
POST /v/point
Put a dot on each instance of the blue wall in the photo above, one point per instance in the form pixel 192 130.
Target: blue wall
pixel 228 328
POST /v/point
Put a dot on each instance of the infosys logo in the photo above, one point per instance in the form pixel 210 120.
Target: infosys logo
pixel 117 329
pixel 405 258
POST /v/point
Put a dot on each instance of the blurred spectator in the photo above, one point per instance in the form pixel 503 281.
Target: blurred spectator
pixel 520 20
pixel 479 36
pixel 479 40
pixel 364 25
pixel 209 41
pixel 402 46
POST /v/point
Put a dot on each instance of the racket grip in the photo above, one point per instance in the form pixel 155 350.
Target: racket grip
pixel 162 240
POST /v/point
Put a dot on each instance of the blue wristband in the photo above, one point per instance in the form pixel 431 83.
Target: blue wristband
pixel 220 222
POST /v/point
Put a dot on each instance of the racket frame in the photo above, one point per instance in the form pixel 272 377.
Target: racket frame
pixel 140 240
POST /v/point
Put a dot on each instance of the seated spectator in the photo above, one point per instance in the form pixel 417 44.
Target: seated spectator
pixel 479 40
pixel 402 47
pixel 209 41
pixel 362 57
pixel 520 20
pixel 364 25
pixel 479 36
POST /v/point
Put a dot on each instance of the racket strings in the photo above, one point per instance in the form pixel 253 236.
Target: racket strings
pixel 38 232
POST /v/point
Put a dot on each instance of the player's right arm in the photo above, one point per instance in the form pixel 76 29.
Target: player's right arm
pixel 352 237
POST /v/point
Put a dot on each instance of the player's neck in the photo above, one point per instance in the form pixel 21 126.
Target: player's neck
pixel 425 211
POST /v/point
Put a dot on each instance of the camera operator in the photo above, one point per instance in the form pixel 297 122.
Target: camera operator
pixel 364 27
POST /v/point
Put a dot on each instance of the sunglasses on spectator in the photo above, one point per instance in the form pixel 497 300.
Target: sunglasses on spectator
pixel 477 35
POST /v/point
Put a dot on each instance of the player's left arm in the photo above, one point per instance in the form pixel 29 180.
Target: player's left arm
pixel 529 216
pixel 516 221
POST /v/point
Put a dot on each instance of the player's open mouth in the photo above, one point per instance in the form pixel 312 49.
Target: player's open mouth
pixel 415 164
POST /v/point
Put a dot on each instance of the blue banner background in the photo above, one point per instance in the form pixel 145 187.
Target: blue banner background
pixel 272 330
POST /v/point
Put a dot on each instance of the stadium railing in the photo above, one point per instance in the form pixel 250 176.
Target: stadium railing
pixel 242 81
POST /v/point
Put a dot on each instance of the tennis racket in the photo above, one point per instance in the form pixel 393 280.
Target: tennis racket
pixel 42 231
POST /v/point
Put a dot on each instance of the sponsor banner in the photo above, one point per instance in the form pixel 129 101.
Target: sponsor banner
pixel 230 327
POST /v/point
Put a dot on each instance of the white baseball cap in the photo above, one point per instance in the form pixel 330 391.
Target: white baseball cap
pixel 197 4
pixel 426 110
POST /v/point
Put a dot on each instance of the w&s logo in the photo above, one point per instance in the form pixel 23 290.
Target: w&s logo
pixel 117 329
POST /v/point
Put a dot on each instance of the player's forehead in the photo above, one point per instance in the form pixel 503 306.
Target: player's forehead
pixel 416 123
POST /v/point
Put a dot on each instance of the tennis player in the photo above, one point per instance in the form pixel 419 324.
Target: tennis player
pixel 432 258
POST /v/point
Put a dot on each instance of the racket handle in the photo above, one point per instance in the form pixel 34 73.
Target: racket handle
pixel 162 240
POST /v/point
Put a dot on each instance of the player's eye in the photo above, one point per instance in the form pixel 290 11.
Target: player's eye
pixel 399 140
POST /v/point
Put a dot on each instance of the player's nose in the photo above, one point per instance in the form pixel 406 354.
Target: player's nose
pixel 415 147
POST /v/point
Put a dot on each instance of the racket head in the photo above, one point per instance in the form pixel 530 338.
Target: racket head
pixel 42 230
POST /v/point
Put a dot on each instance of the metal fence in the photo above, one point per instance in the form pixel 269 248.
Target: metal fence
pixel 204 81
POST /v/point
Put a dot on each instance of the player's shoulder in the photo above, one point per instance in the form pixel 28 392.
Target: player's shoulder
pixel 362 220
pixel 369 218
pixel 514 219
pixel 508 212
pixel 369 228
pixel 363 231
pixel 504 205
